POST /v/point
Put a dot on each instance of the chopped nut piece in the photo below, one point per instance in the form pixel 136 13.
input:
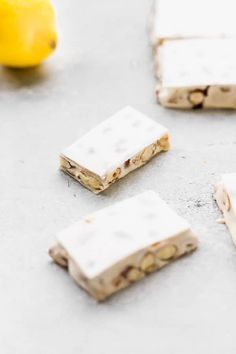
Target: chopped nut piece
pixel 148 262
pixel 136 160
pixel 90 181
pixel 164 143
pixel 196 97
pixel 147 153
pixel 134 274
pixel 117 173
pixel 64 163
pixel 59 255
pixel 166 252
pixel 73 171
pixel 119 281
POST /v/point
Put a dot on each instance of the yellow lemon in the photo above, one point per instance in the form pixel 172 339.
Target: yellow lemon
pixel 27 32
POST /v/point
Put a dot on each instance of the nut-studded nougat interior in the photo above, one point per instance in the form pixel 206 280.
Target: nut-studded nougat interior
pixel 118 245
pixel 97 184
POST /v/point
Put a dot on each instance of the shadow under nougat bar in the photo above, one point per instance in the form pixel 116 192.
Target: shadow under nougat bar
pixel 121 244
pixel 117 146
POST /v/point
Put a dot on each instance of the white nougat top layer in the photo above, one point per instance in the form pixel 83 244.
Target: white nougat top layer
pixel 197 62
pixel 111 234
pixel 229 182
pixel 114 141
pixel 194 18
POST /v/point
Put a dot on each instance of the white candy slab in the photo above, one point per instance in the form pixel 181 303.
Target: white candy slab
pixel 117 146
pixel 107 243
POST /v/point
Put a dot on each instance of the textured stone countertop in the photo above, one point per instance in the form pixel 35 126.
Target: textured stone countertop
pixel 103 63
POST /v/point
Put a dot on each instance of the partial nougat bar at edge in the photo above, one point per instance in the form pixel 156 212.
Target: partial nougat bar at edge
pixel 225 195
pixel 186 19
pixel 197 73
pixel 114 148
pixel 121 244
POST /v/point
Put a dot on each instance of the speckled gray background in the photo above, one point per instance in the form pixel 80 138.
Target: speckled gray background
pixel 103 63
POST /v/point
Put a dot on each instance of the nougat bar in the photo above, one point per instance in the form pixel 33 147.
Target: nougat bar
pixel 121 244
pixel 114 148
pixel 225 195
pixel 185 19
pixel 197 73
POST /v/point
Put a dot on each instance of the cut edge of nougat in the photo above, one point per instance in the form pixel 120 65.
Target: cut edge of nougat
pixel 130 269
pixel 97 184
pixel 204 95
pixel 222 197
pixel 195 97
pixel 60 256
pixel 85 177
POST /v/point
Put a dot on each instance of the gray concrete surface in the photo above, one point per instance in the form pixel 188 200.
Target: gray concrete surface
pixel 103 63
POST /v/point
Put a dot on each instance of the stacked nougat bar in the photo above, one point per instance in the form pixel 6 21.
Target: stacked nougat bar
pixel 194 46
